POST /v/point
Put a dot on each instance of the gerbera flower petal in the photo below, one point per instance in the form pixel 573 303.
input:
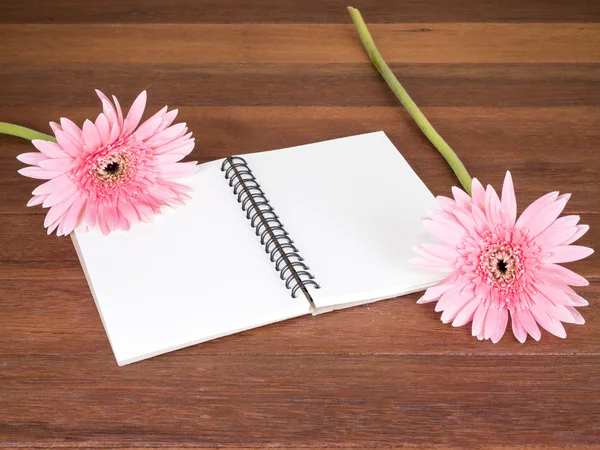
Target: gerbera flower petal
pixel 135 113
pixel 38 172
pixel 103 128
pixel 68 144
pixel 558 233
pixel 71 129
pixel 478 194
pixel 465 315
pixel 91 137
pixel 148 128
pixel 36 200
pixel 32 158
pixel 547 215
pixel 518 329
pixel 527 320
pixel 167 135
pixel 567 253
pixel 509 200
pixel 531 213
pixel 49 149
pixel 58 165
pixel 581 230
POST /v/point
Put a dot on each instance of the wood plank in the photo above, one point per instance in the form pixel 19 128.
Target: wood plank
pixel 276 43
pixel 545 148
pixel 328 401
pixel 290 11
pixel 344 84
pixel 58 317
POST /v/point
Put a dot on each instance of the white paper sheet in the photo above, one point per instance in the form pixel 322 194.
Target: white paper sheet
pixel 354 208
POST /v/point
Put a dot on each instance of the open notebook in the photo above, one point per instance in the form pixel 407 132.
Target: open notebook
pixel 332 223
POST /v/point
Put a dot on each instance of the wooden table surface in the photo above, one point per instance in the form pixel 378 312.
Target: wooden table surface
pixel 510 84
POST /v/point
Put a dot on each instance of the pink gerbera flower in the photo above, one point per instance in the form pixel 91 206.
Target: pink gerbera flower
pixel 110 173
pixel 500 266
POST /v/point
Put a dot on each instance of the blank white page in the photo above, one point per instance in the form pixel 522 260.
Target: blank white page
pixel 197 272
pixel 354 208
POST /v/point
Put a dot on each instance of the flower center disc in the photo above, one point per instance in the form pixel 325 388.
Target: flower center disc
pixel 501 265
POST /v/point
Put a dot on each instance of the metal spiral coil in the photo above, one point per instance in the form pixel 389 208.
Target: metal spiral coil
pixel 268 228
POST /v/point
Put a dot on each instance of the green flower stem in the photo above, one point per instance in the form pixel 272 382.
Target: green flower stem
pixel 439 143
pixel 22 132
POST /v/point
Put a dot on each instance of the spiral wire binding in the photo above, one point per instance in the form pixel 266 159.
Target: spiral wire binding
pixel 272 234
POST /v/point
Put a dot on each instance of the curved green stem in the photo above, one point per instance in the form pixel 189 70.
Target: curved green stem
pixel 22 132
pixel 439 143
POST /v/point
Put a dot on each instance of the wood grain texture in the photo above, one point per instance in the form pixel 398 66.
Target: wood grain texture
pixel 301 43
pixel 510 84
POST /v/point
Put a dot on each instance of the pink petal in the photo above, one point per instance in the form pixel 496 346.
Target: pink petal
pixel 566 275
pixel 68 144
pixel 577 317
pixel 54 126
pixel 114 133
pixel 509 200
pixel 557 233
pixel 59 195
pixel 518 329
pixel 581 230
pixel 32 158
pixel 434 292
pixel 128 212
pixel 479 320
pixel 179 169
pixel 148 128
pixel 578 300
pixel 478 194
pixel 462 198
pixel 465 315
pixel 54 184
pixel 450 236
pixel 547 215
pixel 90 214
pixel 167 120
pixel 119 112
pixel 456 306
pixel 36 200
pixel 69 128
pixel 175 145
pixel 59 165
pixel 529 324
pixel 111 217
pixel 167 135
pixel 38 172
pixel 466 219
pixel 530 215
pixel 91 136
pixel 135 114
pixel 562 313
pixel 58 210
pixel 50 149
pixel 74 215
pixel 499 327
pixel 169 158
pixel 103 128
pixel 493 209
pixel 110 113
pixel 552 326
pixel 567 253
pixel 441 251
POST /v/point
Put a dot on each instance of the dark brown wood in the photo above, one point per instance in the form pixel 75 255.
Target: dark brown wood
pixel 293 11
pixel 510 84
